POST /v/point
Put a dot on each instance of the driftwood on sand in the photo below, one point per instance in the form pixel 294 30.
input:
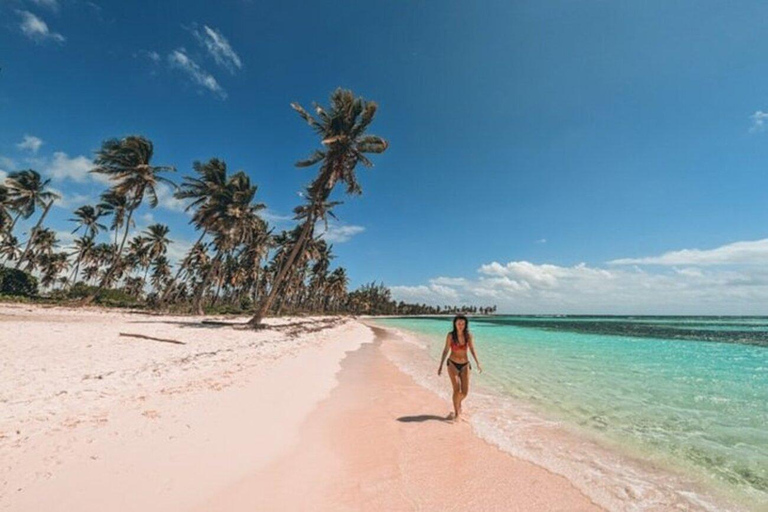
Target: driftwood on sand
pixel 164 340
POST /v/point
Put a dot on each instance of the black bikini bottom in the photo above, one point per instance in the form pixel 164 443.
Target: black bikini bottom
pixel 459 366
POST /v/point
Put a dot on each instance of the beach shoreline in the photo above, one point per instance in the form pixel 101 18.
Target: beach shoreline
pixel 312 413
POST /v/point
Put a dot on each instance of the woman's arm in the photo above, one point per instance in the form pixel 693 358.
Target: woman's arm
pixel 471 342
pixel 445 352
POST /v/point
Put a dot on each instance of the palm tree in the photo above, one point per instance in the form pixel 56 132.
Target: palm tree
pixel 127 163
pixel 342 132
pixel 156 240
pixel 53 264
pixel 203 191
pixel 9 247
pixel 116 205
pixel 233 219
pixel 27 190
pixel 84 247
pixel 87 217
pixel 337 288
pixel 161 271
pixel 5 217
pixel 45 241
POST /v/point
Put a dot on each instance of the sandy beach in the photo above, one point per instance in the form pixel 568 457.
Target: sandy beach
pixel 307 415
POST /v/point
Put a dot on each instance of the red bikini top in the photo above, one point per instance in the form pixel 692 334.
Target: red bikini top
pixel 458 346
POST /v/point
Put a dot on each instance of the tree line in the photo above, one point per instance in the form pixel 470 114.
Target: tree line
pixel 237 260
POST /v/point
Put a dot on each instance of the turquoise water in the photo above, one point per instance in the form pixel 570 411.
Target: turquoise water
pixel 691 392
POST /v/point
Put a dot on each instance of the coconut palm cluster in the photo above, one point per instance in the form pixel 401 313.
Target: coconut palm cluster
pixel 238 262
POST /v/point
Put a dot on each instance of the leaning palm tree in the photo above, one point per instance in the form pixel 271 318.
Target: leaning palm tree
pixel 5 216
pixel 27 190
pixel 127 163
pixel 52 264
pixel 342 130
pixel 45 242
pixel 233 220
pixel 84 248
pixel 204 191
pixel 87 217
pixel 156 240
pixel 9 247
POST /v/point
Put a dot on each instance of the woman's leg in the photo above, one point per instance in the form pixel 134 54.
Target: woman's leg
pixel 464 380
pixel 456 384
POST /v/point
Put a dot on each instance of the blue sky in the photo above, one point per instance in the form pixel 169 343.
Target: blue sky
pixel 553 157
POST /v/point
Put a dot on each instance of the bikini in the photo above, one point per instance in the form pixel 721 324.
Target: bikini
pixel 455 346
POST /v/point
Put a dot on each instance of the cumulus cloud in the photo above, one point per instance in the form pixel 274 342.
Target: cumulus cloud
pixel 275 218
pixel 431 294
pixel 69 201
pixel 36 29
pixel 30 143
pixel 758 121
pixel 179 59
pixel 338 233
pixel 218 47
pixel 682 285
pixel 6 165
pixel 62 167
pixel 738 253
pixel 166 200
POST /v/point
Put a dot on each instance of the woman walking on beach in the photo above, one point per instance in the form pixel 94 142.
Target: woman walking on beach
pixel 459 341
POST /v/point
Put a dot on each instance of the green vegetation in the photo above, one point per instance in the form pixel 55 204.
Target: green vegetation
pixel 17 283
pixel 237 265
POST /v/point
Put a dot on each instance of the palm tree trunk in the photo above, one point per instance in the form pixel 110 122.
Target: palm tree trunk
pixel 13 224
pixel 115 261
pixel 76 270
pixel 255 321
pixel 178 273
pixel 197 305
pixel 33 234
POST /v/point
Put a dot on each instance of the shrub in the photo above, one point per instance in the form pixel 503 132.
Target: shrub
pixel 106 297
pixel 17 282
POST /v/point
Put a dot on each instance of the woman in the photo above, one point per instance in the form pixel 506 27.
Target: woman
pixel 459 341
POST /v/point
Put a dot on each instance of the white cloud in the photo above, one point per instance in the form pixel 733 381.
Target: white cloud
pixel 30 143
pixel 177 250
pixel 449 281
pixel 153 56
pixel 738 253
pixel 180 60
pixel 695 286
pixel 166 200
pixel 541 241
pixel 275 218
pixel 6 165
pixel 36 29
pixel 69 201
pixel 218 47
pixel 77 168
pixel 758 121
pixel 431 294
pixel 337 233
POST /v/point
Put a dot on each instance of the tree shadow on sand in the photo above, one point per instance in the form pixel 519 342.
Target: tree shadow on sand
pixel 423 417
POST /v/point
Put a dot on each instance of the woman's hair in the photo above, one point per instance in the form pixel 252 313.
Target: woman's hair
pixel 455 332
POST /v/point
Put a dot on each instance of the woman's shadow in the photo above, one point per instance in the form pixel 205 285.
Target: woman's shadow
pixel 424 417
